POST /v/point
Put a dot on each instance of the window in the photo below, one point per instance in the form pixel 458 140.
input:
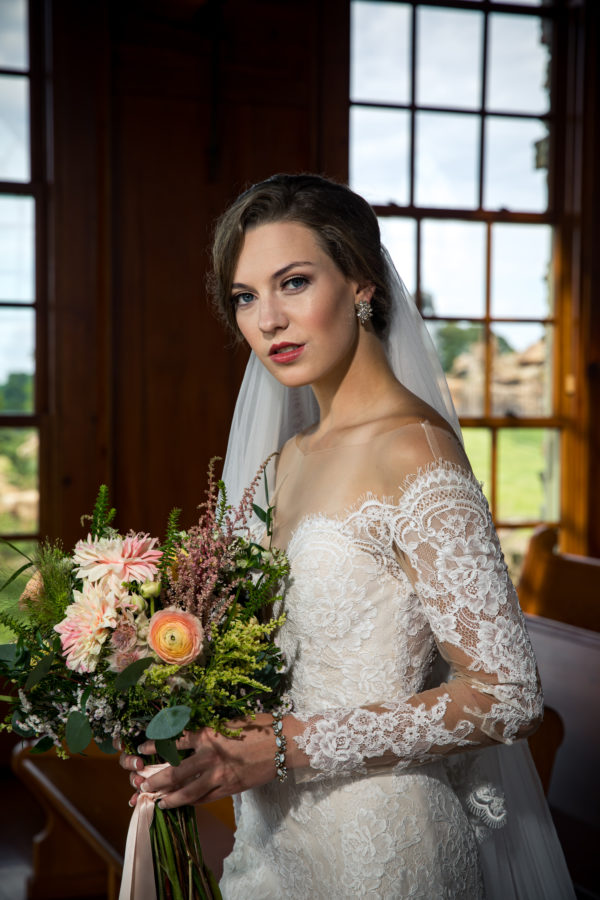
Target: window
pixel 20 198
pixel 452 139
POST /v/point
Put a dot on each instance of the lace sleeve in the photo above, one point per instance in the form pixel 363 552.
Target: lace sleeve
pixel 443 533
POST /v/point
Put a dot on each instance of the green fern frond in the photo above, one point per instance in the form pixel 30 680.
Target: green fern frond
pixel 103 514
pixel 20 628
pixel 169 546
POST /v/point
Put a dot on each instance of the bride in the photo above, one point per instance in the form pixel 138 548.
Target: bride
pixel 401 771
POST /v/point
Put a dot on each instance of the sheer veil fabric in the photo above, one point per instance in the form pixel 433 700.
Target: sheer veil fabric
pixel 523 859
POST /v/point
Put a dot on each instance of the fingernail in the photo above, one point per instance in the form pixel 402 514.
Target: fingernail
pixel 145 786
pixel 130 803
pixel 139 764
pixel 140 748
pixel 161 805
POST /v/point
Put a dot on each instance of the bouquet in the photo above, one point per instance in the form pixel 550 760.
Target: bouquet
pixel 125 639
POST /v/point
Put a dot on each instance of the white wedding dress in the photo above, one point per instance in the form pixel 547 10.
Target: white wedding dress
pixel 396 576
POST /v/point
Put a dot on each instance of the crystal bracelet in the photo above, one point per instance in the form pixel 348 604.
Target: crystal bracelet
pixel 281 743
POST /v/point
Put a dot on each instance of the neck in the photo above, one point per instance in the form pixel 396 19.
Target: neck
pixel 352 393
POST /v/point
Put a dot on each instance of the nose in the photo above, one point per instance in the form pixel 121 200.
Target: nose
pixel 271 314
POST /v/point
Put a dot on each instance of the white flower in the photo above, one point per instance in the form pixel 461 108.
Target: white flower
pixel 87 624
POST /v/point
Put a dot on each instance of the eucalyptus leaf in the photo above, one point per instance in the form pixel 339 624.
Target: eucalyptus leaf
pixel 85 697
pixel 44 744
pixel 8 653
pixel 39 671
pixel 169 752
pixel 78 732
pixel 106 746
pixel 132 674
pixel 168 723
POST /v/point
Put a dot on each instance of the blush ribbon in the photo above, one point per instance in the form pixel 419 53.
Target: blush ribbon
pixel 137 882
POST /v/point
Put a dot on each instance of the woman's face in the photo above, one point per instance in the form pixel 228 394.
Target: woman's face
pixel 293 305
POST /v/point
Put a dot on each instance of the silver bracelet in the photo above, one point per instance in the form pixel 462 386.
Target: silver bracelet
pixel 281 743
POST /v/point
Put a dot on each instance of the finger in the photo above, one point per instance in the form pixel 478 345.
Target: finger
pixel 171 778
pixel 131 763
pixel 147 748
pixel 136 781
pixel 190 794
pixel 133 800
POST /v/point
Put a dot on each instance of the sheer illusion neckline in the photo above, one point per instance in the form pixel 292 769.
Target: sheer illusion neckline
pixel 345 446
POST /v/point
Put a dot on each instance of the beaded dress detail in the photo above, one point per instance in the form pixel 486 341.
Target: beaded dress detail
pixel 388 587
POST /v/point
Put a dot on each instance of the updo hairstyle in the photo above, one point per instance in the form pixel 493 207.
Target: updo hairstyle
pixel 343 223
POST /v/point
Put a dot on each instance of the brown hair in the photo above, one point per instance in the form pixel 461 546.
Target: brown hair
pixel 343 222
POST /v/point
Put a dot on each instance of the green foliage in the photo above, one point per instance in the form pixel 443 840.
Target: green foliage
pixel 16 394
pixel 170 543
pixel 452 339
pixel 103 514
pixel 78 732
pixel 55 568
pixel 132 674
pixel 168 723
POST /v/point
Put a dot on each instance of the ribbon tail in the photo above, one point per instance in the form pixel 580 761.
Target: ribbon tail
pixel 137 882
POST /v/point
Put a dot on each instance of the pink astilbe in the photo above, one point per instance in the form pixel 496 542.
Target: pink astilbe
pixel 132 558
pixel 205 580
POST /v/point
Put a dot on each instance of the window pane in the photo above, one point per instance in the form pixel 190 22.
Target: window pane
pixel 528 470
pixel 453 268
pixel 16 360
pixel 449 45
pixel 514 543
pixel 19 497
pixel 400 237
pixel 14 128
pixel 516 165
pixel 447 157
pixel 13 34
pixel 522 370
pixel 379 154
pixel 17 275
pixel 478 445
pixel 380 52
pixel 521 271
pixel 519 64
pixel 461 348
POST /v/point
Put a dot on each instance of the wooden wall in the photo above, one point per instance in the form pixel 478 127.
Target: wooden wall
pixel 161 112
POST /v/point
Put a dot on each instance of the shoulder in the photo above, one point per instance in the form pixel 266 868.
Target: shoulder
pixel 418 445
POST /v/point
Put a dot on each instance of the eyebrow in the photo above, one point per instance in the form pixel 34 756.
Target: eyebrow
pixel 279 272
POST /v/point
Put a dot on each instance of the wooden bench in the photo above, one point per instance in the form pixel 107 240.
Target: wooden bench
pixel 79 853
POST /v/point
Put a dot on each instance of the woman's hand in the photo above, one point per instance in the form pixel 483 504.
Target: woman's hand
pixel 218 766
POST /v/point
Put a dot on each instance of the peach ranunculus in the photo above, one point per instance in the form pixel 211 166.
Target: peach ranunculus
pixel 176 636
pixel 132 558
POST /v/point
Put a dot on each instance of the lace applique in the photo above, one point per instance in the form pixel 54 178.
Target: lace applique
pixel 464 599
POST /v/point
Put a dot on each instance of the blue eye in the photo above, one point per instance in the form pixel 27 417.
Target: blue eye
pixel 243 299
pixel 296 282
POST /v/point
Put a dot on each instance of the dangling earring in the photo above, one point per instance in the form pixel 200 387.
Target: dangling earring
pixel 364 311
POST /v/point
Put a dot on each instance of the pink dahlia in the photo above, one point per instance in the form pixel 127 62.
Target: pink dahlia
pixel 128 559
pixel 86 626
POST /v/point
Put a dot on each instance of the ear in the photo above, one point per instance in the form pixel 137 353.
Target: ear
pixel 364 293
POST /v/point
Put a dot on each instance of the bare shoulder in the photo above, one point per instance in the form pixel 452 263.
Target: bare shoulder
pixel 418 441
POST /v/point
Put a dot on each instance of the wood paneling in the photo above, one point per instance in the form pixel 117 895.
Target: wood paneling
pixel 162 113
